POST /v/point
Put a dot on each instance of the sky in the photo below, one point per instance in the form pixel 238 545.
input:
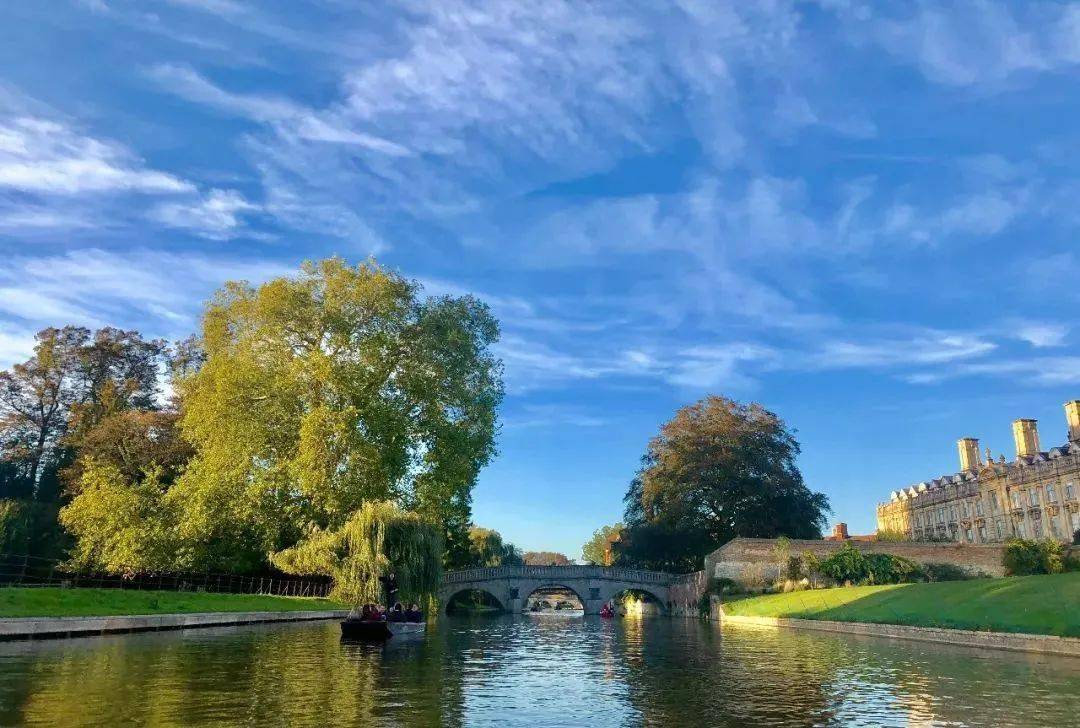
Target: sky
pixel 861 215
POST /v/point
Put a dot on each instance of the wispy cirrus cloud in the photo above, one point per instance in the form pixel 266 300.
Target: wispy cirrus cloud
pixel 44 156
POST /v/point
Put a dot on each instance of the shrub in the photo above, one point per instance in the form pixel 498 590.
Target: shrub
pixel 944 572
pixel 1025 556
pixel 724 585
pixel 847 564
pixel 889 569
pixel 811 566
pixel 891 536
pixel 793 570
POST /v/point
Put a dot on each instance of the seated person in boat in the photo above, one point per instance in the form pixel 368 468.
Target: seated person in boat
pixel 412 614
pixel 397 614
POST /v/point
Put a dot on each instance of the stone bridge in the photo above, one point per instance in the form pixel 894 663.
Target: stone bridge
pixel 593 585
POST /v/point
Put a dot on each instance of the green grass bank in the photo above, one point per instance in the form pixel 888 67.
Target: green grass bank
pixel 55 602
pixel 1031 604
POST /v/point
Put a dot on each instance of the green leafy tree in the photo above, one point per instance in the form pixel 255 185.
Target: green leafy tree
pixel 598 550
pixel 376 541
pixel 719 469
pixel 487 548
pixel 316 394
pixel 545 558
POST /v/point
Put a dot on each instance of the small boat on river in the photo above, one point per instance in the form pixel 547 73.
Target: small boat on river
pixel 376 630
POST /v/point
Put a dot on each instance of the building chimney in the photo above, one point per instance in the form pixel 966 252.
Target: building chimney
pixel 1072 416
pixel 969 453
pixel 839 532
pixel 1026 435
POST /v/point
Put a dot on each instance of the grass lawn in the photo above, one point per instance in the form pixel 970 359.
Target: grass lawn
pixel 50 602
pixel 1034 604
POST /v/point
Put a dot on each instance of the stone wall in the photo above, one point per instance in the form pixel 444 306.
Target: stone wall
pixel 747 560
pixel 685 592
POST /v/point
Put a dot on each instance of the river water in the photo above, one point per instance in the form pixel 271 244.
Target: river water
pixel 530 671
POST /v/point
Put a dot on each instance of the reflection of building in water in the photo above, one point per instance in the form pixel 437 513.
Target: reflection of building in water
pixel 1034 496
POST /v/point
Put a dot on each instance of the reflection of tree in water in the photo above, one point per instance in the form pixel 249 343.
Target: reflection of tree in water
pixel 280 676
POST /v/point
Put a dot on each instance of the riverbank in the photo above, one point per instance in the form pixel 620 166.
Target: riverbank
pixel 1038 605
pixel 54 602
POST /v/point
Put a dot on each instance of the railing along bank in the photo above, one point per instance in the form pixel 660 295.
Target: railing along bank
pixel 557 572
pixel 30 571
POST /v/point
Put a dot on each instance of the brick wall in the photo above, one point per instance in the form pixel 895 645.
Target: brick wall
pixel 742 559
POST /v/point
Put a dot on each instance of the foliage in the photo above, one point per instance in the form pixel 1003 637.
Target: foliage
pixel 121 524
pixel 662 546
pixel 1025 556
pixel 378 540
pixel 1076 537
pixel 849 564
pixel 811 565
pixel 793 568
pixel 313 396
pixel 720 469
pixel 487 548
pixel 944 572
pixel 598 550
pixel 545 558
pixel 781 551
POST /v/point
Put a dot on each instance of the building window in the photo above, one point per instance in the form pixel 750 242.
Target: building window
pixel 1069 491
pixel 978 508
pixel 1033 497
pixel 1050 495
pixel 941 515
pixel 982 534
pixel 999 526
pixel 993 503
pixel 1017 503
pixel 952 513
pixel 1020 530
pixel 964 509
pixel 968 535
pixel 1074 520
pixel 1036 526
pixel 1054 527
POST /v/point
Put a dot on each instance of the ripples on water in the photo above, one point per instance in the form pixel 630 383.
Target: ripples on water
pixel 529 670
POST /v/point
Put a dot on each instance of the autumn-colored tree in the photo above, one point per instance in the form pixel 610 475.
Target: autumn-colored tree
pixel 719 469
pixel 597 550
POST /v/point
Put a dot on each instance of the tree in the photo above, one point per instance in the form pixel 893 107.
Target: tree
pixel 719 469
pixel 317 394
pixel 487 548
pixel 545 558
pixel 36 398
pixel 376 541
pixel 598 549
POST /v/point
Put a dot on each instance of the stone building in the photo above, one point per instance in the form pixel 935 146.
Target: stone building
pixel 1034 496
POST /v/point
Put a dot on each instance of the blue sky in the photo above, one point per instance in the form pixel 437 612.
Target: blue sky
pixel 862 215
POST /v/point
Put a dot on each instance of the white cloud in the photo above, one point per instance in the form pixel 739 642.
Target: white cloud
pixel 215 216
pixel 157 291
pixel 1038 334
pixel 43 156
pixel 288 117
pixel 918 348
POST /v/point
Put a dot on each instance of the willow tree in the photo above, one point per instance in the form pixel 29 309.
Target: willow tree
pixel 378 540
pixel 318 393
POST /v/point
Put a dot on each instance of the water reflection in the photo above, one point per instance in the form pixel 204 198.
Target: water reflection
pixel 528 670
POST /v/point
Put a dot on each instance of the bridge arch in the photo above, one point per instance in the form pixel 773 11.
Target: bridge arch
pixel 449 600
pixel 594 585
pixel 548 586
pixel 649 595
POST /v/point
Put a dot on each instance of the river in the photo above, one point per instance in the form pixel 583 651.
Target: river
pixel 528 670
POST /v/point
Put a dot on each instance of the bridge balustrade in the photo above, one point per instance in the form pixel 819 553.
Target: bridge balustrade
pixel 556 572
